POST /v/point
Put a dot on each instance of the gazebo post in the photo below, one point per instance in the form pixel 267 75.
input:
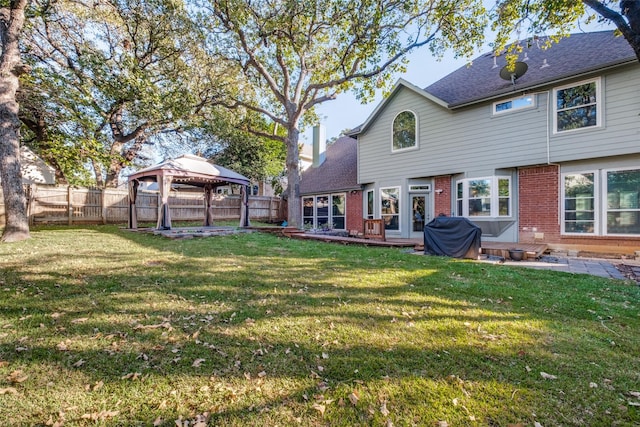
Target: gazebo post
pixel 244 206
pixel 164 215
pixel 208 209
pixel 133 195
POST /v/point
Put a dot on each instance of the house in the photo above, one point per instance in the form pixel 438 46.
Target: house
pixel 548 152
pixel 331 196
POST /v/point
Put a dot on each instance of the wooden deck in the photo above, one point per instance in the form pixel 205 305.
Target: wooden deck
pixel 532 250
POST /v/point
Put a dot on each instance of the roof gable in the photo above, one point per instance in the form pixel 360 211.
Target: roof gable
pixel 573 56
pixel 401 84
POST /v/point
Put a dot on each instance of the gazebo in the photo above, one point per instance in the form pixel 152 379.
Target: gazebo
pixel 188 170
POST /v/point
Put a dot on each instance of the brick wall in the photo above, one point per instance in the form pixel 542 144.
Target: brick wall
pixel 538 189
pixel 354 211
pixel 442 201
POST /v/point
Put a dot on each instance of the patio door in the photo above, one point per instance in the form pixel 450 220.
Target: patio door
pixel 419 214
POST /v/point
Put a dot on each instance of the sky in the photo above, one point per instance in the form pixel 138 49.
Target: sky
pixel 346 112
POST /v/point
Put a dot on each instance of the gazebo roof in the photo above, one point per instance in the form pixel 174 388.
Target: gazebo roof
pixel 191 170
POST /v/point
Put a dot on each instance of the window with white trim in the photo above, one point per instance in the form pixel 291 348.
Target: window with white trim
pixel 369 212
pixel 484 197
pixel 579 202
pixel 514 104
pixel 623 202
pixel 577 106
pixel 390 208
pixel 404 131
pixel 324 211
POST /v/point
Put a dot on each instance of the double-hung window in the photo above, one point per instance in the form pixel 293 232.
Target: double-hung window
pixel 577 106
pixel 484 197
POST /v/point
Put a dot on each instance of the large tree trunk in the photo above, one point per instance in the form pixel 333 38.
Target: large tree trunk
pixel 294 210
pixel 17 223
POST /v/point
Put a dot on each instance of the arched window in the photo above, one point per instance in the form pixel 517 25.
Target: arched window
pixel 404 131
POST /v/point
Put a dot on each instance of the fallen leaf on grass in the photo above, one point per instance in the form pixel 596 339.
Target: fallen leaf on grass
pixel 8 390
pixel 634 393
pixel 79 363
pixel 262 374
pixel 80 320
pixel 198 362
pixel 100 416
pixel 319 408
pixel 17 377
pixel 165 325
pixel 353 398
pixel 383 409
pixel 131 376
pixel 593 385
pixel 636 404
pixel 548 376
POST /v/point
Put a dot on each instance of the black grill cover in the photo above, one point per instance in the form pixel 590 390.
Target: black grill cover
pixel 452 236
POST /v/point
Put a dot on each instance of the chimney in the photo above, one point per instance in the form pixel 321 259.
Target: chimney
pixel 319 145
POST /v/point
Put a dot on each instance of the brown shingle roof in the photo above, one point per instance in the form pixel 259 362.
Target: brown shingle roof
pixel 338 172
pixel 578 54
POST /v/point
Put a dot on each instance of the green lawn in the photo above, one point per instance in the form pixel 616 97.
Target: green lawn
pixel 103 326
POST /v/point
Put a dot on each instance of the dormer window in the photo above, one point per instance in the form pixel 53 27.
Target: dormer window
pixel 577 106
pixel 405 131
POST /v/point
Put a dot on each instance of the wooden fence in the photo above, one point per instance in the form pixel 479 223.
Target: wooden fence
pixel 72 205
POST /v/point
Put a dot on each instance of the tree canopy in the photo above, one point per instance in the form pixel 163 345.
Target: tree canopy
pixel 110 75
pixel 557 18
pixel 295 54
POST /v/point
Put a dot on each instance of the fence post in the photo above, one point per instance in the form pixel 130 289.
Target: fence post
pixel 103 202
pixel 70 204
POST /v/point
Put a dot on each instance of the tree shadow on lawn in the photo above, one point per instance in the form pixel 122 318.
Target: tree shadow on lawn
pixel 414 332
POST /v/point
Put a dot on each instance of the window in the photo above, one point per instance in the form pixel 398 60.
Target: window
pixel 404 131
pixel 324 211
pixel 308 211
pixel 369 212
pixel 484 197
pixel 514 104
pixel 390 207
pixel 576 107
pixel 584 197
pixel 623 202
pixel 338 211
pixel 579 203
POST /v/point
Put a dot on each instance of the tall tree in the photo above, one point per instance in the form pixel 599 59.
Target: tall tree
pixel 11 67
pixel 115 74
pixel 559 17
pixel 296 54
